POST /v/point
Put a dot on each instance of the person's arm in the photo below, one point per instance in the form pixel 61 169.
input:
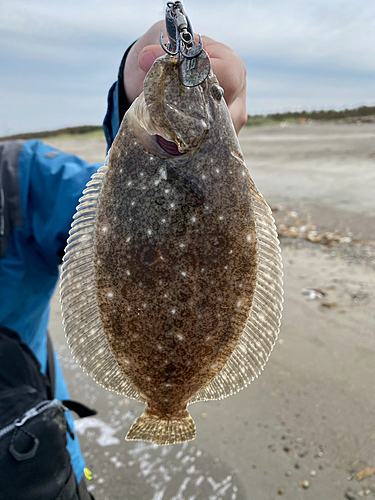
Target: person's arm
pixel 137 61
pixel 56 182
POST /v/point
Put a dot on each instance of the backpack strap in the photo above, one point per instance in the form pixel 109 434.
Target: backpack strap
pixel 10 197
pixel 51 373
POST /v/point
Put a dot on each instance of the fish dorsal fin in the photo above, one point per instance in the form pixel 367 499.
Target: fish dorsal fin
pixel 263 323
pixel 82 322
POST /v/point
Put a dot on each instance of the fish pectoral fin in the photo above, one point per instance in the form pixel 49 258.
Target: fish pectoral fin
pixel 162 431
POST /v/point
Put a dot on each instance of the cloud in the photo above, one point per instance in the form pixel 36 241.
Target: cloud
pixel 298 53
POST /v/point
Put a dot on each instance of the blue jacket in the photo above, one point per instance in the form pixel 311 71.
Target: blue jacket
pixel 50 183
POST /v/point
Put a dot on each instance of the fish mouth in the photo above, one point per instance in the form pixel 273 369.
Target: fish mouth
pixel 155 140
pixel 168 135
pixel 168 146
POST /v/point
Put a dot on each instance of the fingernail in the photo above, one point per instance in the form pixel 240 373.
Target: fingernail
pixel 146 60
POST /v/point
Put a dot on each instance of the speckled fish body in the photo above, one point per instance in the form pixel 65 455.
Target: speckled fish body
pixel 171 284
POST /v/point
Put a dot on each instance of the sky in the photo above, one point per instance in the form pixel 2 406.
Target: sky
pixel 59 58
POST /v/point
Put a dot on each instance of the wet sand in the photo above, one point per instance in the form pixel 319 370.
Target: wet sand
pixel 310 416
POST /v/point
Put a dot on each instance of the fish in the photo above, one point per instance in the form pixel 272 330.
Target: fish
pixel 171 285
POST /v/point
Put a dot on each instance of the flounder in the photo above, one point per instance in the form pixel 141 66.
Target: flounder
pixel 172 283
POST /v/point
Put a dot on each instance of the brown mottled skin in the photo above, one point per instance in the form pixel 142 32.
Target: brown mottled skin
pixel 175 243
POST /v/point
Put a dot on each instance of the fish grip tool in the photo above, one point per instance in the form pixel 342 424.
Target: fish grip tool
pixel 193 62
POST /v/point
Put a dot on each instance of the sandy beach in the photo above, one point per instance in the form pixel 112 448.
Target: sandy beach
pixel 305 429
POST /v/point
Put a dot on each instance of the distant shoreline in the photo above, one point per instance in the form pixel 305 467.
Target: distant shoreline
pixel 82 129
pixel 362 114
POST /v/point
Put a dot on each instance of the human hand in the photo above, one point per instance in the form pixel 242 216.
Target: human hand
pixel 225 62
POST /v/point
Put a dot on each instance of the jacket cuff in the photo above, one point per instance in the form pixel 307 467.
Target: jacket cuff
pixel 117 104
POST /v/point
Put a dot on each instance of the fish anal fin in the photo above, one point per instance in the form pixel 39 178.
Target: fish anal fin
pixel 263 323
pixel 162 431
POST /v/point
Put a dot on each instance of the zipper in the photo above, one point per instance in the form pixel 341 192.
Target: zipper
pixel 33 412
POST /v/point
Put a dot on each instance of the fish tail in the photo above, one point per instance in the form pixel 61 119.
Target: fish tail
pixel 162 431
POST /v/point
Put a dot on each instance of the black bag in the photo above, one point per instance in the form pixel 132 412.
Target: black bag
pixel 34 461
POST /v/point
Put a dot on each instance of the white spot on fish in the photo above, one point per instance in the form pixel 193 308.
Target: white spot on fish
pixel 217 170
pixel 173 311
pixel 144 305
pixel 163 173
pixel 183 273
pixel 249 237
pixel 132 203
pixel 128 273
pixel 167 191
pixel 221 217
pixel 160 347
pixel 126 361
pixel 149 232
pixel 141 174
pixel 119 155
pixel 193 219
pixel 203 177
pixel 163 220
pixel 105 229
pixel 129 183
pixel 179 336
pixel 121 170
pixel 110 295
pixel 239 303
pixel 213 366
pixel 128 239
pixel 240 285
pixel 208 338
pixel 182 245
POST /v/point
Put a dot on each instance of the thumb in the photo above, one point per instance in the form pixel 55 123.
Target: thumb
pixel 148 55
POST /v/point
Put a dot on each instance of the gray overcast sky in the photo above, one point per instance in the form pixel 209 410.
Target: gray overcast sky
pixel 59 58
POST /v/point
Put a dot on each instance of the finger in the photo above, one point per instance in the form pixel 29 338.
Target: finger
pixel 148 55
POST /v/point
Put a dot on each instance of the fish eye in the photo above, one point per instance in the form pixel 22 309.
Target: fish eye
pixel 217 92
